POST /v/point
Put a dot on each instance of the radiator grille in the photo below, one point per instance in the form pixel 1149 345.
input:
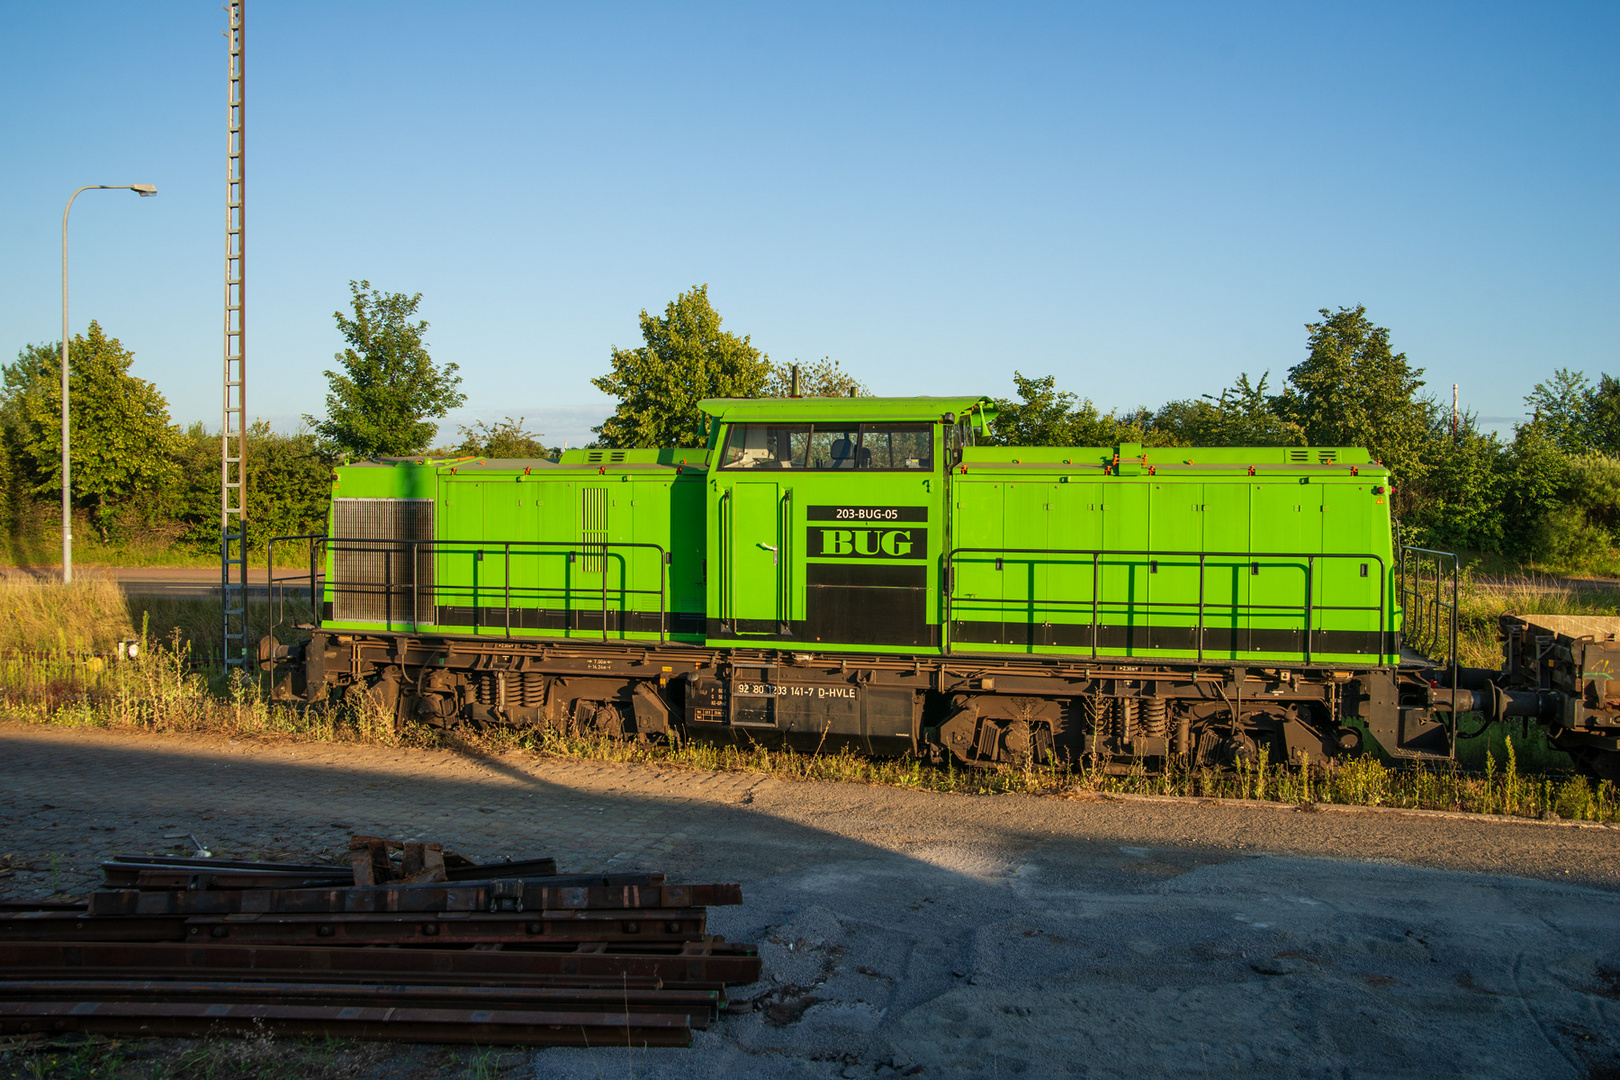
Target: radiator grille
pixel 374 579
pixel 593 527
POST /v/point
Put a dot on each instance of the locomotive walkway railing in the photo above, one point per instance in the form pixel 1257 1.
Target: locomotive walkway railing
pixel 419 558
pixel 1148 559
pixel 1429 581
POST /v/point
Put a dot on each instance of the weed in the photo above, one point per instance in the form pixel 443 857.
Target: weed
pixel 163 691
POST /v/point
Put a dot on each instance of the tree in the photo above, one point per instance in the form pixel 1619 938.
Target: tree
pixel 502 439
pixel 1047 416
pixel 1603 415
pixel 1456 500
pixel 824 378
pixel 1354 390
pixel 390 391
pixel 1243 415
pixel 1562 406
pixel 289 489
pixel 123 448
pixel 686 358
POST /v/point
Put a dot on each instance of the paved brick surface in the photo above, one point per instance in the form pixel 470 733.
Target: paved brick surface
pixel 74 796
pixel 948 936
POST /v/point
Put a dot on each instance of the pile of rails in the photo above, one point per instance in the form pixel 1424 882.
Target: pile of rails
pixel 410 942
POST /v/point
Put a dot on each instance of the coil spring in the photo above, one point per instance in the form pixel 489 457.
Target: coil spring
pixel 533 689
pixel 487 689
pixel 1154 722
pixel 1125 718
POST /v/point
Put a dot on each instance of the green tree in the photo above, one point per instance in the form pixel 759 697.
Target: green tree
pixel 1456 500
pixel 1047 416
pixel 685 358
pixel 389 391
pixel 1354 390
pixel 1603 415
pixel 1243 415
pixel 289 486
pixel 503 439
pixel 1535 478
pixel 123 448
pixel 1562 407
pixel 824 378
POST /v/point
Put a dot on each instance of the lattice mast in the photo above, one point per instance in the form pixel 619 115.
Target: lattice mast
pixel 233 427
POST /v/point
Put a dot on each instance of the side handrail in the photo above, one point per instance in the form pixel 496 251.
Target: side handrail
pixel 1096 555
pixel 1433 616
pixel 320 546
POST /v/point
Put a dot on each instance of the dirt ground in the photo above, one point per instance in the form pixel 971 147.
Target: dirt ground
pixel 908 933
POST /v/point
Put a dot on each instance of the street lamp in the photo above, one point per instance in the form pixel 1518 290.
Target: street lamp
pixel 144 191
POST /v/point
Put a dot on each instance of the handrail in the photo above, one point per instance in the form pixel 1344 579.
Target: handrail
pixel 1425 612
pixel 1096 555
pixel 603 550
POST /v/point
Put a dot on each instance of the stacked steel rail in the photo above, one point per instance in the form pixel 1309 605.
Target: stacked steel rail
pixel 408 943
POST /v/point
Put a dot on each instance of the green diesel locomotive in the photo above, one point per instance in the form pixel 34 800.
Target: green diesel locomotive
pixel 862 572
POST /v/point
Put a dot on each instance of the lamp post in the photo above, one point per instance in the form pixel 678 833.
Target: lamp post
pixel 144 191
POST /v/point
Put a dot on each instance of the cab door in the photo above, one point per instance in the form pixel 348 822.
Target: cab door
pixel 752 521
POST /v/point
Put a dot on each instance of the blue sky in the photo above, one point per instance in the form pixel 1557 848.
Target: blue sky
pixel 1143 200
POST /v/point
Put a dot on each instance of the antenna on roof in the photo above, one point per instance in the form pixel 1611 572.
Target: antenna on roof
pixel 793 382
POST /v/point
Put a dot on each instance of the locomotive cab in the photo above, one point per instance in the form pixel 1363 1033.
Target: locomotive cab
pixel 827 518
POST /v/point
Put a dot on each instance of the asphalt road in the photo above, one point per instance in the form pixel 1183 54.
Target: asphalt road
pixel 201 582
pixel 907 933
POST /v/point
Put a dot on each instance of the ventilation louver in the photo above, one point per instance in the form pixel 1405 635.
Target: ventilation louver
pixel 375 573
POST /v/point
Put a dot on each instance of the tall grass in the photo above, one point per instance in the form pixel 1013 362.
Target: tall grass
pixel 162 690
pixel 1482 601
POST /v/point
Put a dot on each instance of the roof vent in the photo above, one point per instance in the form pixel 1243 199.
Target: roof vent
pixel 1327 457
pixel 1298 457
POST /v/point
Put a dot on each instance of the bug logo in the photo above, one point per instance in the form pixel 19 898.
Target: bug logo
pixel 897 542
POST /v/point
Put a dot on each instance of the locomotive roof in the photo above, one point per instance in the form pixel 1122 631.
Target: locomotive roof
pixel 734 410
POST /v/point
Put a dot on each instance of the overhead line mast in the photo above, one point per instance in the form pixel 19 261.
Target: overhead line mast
pixel 233 427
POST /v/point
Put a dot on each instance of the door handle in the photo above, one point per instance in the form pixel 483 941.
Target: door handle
pixel 770 548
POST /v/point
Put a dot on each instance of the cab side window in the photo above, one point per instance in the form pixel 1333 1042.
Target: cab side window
pixel 867 447
pixel 766 446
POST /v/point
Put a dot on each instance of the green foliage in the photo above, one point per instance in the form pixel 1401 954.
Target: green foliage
pixel 288 485
pixel 1456 500
pixel 1560 408
pixel 1535 475
pixel 384 400
pixel 1243 415
pixel 1576 415
pixel 685 358
pixel 1354 390
pixel 824 378
pixel 122 445
pixel 503 439
pixel 1046 416
pixel 1603 415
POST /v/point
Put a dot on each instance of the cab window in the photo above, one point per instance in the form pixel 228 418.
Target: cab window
pixel 765 446
pixel 871 447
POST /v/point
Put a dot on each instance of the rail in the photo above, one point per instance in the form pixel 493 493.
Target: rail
pixel 1253 559
pixel 320 546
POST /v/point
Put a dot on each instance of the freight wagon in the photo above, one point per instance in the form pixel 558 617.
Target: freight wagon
pixel 863 572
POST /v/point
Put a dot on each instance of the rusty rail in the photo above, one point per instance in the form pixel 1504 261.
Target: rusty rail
pixel 195 946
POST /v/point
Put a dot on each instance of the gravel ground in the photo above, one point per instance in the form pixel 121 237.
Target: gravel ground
pixel 907 933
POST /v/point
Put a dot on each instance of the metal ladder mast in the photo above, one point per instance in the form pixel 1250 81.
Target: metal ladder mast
pixel 233 428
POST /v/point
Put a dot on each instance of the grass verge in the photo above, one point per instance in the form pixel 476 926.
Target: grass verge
pixel 162 691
